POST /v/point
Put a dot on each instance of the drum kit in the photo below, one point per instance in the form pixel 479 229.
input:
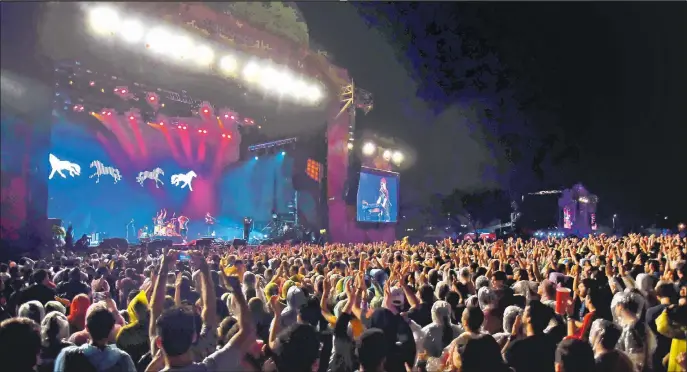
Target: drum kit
pixel 168 228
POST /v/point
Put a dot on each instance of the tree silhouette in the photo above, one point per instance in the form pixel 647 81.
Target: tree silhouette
pixel 465 52
pixel 477 209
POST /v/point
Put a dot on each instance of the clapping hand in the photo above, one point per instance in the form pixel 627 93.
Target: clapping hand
pixel 276 305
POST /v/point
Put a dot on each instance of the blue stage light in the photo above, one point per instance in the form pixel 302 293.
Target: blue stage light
pixel 256 158
pixel 283 152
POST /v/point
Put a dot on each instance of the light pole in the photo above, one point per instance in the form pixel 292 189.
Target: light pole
pixel 614 217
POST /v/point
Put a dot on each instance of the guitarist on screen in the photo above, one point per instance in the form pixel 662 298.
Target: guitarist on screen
pixel 383 203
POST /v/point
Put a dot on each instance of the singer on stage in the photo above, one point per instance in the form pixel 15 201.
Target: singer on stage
pixel 209 221
pixel 183 226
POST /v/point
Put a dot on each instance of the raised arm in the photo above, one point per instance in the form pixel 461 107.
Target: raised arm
pixel 275 327
pixel 207 290
pixel 246 333
pixel 158 298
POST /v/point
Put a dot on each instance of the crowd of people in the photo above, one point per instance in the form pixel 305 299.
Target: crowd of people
pixel 574 305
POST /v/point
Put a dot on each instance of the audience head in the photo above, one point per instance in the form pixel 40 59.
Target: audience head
pixel 372 350
pixel 33 310
pixel 54 327
pixel 99 322
pixel 537 316
pixel 573 355
pixel 473 317
pixel 176 331
pixel 20 344
pixel 297 349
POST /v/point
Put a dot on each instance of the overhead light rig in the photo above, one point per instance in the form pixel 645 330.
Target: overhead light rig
pixel 81 90
pixel 174 45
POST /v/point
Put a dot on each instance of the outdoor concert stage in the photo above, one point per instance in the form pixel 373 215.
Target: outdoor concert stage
pixel 135 129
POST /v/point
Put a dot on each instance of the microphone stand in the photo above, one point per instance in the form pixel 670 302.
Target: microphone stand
pixel 127 229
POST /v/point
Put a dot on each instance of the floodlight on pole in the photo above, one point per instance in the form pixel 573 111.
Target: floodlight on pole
pixel 251 72
pixel 132 31
pixel 159 40
pixel 228 64
pixel 103 20
pixel 204 55
pixel 369 149
pixel 386 155
pixel 397 157
pixel 182 47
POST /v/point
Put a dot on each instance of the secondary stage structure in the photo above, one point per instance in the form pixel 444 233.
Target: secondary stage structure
pixel 197 44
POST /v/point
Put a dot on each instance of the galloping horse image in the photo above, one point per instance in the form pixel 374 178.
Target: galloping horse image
pixel 151 175
pixel 102 170
pixel 57 166
pixel 185 178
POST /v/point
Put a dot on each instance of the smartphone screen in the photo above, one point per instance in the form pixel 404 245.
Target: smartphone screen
pixel 184 257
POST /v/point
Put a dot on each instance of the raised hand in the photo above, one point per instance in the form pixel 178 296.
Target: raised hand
pixel 276 306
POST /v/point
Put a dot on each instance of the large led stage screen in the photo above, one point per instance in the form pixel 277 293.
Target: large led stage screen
pixel 377 196
pixel 112 175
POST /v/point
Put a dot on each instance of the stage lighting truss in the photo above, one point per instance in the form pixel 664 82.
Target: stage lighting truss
pixel 86 83
pixel 175 44
pixel 269 145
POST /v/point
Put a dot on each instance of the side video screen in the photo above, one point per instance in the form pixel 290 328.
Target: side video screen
pixel 377 196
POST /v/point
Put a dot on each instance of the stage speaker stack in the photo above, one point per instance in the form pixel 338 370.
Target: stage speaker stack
pixel 160 244
pixel 204 242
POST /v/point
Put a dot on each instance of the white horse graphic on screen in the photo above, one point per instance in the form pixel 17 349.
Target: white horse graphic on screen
pixel 151 175
pixel 185 178
pixel 57 166
pixel 102 170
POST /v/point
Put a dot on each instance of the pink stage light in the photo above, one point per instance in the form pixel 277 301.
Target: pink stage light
pixel 224 135
pixel 151 98
pixel 92 83
pixel 131 117
pixel 226 116
pixel 162 123
pixel 200 131
pixel 123 91
pixel 109 113
pixel 179 127
pixel 205 131
pixel 184 127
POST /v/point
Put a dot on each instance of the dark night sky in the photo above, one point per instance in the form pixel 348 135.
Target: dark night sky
pixel 617 74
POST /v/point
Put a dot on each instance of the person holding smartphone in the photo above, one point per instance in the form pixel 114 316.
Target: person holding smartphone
pixel 173 330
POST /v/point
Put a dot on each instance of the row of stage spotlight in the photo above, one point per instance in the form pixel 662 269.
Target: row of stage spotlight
pixel 370 149
pixel 175 44
pixel 160 123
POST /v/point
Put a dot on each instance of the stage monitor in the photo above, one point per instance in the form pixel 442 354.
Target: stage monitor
pixel 377 196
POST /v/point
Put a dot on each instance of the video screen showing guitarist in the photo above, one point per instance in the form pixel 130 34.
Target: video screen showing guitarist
pixel 380 209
